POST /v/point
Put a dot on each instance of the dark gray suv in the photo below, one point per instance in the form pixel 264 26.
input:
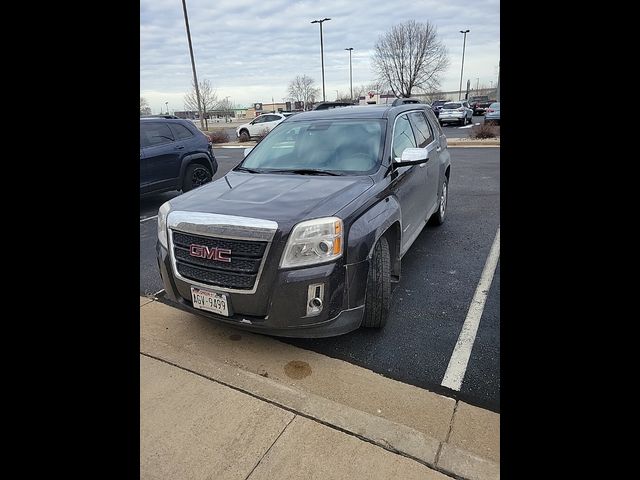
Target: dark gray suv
pixel 305 237
pixel 174 155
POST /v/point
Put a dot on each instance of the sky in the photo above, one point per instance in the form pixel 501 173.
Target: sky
pixel 250 50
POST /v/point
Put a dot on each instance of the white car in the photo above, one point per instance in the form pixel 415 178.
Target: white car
pixel 459 112
pixel 266 121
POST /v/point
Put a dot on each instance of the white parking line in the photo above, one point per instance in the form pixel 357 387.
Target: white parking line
pixel 148 218
pixel 462 351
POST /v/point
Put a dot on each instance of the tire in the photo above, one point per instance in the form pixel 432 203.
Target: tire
pixel 194 176
pixel 439 216
pixel 378 296
pixel 244 136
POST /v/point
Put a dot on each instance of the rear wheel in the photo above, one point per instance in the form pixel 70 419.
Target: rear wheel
pixel 438 217
pixel 244 136
pixel 378 296
pixel 194 176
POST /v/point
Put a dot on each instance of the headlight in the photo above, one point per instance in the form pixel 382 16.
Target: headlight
pixel 313 242
pixel 163 211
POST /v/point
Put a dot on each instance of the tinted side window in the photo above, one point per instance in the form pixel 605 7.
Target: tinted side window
pixel 181 132
pixel 423 132
pixel 402 136
pixel 260 119
pixel 155 134
pixel 272 118
pixel 435 125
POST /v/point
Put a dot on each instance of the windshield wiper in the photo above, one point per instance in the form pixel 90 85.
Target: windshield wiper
pixel 245 169
pixel 306 171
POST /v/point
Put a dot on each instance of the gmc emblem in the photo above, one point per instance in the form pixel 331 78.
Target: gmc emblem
pixel 211 253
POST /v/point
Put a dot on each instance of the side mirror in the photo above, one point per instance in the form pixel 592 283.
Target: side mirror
pixel 412 156
pixel 247 150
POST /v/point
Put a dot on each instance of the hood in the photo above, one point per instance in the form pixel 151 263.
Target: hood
pixel 286 199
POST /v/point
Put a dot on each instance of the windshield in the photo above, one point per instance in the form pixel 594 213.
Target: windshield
pixel 495 106
pixel 451 106
pixel 339 146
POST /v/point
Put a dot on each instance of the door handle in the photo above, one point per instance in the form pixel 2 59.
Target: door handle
pixel 180 147
pixel 438 149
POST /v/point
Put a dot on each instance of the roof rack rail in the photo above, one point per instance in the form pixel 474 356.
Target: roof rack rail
pixel 405 101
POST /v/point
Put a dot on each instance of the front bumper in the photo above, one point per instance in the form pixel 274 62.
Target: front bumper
pixel 284 299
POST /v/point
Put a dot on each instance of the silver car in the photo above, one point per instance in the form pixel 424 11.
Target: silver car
pixel 492 113
pixel 459 112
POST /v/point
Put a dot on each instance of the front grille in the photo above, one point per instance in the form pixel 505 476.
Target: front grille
pixel 241 273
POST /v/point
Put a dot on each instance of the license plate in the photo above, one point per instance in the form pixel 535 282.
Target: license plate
pixel 210 301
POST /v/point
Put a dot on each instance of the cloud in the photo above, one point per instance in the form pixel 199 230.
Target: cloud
pixel 251 50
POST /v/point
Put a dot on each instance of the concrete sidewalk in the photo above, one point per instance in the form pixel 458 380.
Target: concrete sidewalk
pixel 216 402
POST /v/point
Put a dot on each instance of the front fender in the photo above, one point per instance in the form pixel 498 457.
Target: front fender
pixel 369 227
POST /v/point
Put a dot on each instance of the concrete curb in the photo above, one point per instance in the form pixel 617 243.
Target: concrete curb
pixel 391 436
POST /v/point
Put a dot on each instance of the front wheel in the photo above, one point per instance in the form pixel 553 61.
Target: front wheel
pixel 378 296
pixel 194 176
pixel 438 217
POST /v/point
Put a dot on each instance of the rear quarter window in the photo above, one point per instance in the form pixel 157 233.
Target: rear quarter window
pixel 181 132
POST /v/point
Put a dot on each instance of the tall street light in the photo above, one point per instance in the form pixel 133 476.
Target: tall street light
pixel 322 53
pixel 227 107
pixel 464 42
pixel 350 72
pixel 193 65
pixel 166 104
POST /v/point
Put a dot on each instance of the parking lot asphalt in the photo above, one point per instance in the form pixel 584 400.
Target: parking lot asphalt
pixel 440 274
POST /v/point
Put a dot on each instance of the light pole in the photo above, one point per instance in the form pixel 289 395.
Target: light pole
pixel 477 82
pixel 336 95
pixel 464 42
pixel 193 65
pixel 322 53
pixel 226 109
pixel 350 73
pixel 166 104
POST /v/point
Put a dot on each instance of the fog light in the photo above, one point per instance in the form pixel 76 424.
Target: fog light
pixel 315 297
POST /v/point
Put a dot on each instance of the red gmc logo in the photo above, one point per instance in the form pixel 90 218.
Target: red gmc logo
pixel 212 253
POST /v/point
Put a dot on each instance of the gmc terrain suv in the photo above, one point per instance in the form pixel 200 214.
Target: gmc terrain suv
pixel 305 237
pixel 174 155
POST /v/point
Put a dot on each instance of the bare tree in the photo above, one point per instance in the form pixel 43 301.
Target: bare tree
pixel 410 56
pixel 225 107
pixel 344 97
pixel 144 107
pixel 359 91
pixel 302 89
pixel 208 99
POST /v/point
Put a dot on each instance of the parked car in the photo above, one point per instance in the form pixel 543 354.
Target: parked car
pixel 327 105
pixel 493 113
pixel 174 155
pixel 479 104
pixel 436 106
pixel 305 237
pixel 265 122
pixel 459 112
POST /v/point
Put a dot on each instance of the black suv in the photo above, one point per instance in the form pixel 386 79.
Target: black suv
pixel 174 155
pixel 305 237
